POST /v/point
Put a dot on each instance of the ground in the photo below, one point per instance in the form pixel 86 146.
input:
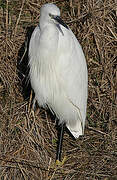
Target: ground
pixel 28 140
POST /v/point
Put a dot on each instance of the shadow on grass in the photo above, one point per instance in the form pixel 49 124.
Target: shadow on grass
pixel 22 65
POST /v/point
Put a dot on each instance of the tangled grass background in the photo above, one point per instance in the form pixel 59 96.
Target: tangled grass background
pixel 28 139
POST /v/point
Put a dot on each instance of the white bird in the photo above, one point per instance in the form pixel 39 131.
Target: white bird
pixel 58 70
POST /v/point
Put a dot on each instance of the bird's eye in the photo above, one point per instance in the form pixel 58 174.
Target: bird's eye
pixel 51 15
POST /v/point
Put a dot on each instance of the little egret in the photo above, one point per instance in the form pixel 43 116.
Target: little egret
pixel 58 71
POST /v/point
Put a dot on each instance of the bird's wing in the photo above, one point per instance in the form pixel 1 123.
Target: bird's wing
pixel 34 42
pixel 33 58
pixel 72 72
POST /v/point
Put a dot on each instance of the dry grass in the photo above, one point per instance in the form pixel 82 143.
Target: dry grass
pixel 27 139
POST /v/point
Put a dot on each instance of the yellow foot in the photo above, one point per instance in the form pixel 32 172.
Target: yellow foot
pixel 59 163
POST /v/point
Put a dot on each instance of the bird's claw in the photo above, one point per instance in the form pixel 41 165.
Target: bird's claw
pixel 59 163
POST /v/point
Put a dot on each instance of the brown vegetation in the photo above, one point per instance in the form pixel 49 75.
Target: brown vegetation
pixel 28 139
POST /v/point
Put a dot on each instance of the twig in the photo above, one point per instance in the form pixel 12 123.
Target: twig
pixel 96 130
pixel 6 19
pixel 21 169
pixel 18 19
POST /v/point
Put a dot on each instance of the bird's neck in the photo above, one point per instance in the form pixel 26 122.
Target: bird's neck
pixel 49 37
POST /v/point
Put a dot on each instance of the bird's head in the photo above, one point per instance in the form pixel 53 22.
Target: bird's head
pixel 50 13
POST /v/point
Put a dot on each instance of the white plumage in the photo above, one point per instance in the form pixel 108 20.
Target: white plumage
pixel 58 70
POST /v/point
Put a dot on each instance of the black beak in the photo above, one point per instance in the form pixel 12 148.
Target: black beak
pixel 60 21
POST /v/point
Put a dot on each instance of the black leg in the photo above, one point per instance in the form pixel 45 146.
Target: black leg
pixel 60 140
